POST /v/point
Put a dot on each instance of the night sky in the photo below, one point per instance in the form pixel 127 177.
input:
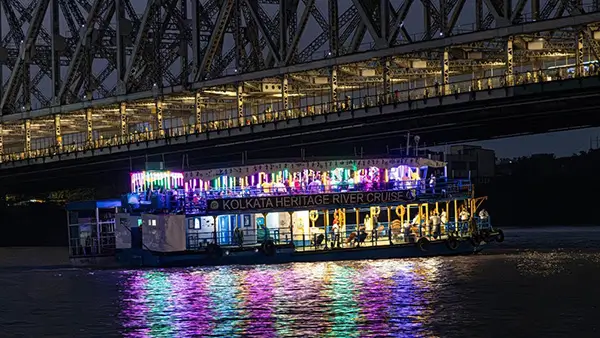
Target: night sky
pixel 561 143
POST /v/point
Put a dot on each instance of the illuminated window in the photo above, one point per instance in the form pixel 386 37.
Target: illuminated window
pixel 152 222
pixel 196 223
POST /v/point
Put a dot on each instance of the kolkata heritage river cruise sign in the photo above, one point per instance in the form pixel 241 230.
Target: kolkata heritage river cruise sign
pixel 306 202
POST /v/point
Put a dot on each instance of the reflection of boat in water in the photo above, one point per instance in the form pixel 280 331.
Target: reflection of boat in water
pixel 283 212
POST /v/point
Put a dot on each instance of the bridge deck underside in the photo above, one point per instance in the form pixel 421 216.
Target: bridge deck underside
pixel 117 72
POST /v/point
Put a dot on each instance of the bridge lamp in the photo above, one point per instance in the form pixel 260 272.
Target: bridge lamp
pixel 417 139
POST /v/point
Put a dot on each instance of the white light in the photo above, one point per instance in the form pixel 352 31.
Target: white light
pixel 221 92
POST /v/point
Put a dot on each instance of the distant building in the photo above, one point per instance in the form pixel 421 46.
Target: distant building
pixel 471 161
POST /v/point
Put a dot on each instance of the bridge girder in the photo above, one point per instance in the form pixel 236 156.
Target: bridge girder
pixel 68 52
pixel 83 58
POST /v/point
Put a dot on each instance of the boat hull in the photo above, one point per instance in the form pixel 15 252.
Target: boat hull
pixel 144 258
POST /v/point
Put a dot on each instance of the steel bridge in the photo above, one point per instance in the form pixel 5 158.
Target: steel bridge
pixel 92 77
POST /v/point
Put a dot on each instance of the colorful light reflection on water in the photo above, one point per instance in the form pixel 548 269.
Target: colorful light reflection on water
pixel 346 299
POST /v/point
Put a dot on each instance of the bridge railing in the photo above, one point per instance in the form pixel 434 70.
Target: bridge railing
pixel 369 96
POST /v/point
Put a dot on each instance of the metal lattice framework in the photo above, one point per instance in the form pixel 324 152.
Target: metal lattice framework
pixel 67 56
pixel 59 52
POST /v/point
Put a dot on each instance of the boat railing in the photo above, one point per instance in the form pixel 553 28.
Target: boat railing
pixel 243 237
pixel 483 223
pixel 323 237
pixel 447 186
pixel 91 239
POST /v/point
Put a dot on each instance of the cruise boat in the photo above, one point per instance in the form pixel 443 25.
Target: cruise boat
pixel 272 213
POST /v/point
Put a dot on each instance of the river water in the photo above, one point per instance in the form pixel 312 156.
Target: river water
pixel 540 282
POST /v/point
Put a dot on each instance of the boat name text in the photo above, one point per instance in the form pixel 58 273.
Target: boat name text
pixel 306 201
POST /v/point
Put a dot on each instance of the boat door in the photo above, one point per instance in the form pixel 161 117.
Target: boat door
pixel 224 229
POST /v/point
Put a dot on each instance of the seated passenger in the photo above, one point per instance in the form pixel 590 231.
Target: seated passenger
pixel 318 240
pixel 444 217
pixel 464 215
pixel 406 230
pixel 362 234
pixel 351 238
pixel 279 188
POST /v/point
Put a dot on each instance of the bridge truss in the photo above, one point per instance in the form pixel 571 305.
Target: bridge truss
pixel 90 68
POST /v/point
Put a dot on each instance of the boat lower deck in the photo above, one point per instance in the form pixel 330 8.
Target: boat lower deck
pixel 287 254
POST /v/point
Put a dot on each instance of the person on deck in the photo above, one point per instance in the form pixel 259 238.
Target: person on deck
pixel 335 234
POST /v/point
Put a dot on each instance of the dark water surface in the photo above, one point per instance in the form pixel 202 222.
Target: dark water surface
pixel 543 291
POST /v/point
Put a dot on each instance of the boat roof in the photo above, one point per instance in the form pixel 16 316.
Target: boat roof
pixel 93 205
pixel 320 165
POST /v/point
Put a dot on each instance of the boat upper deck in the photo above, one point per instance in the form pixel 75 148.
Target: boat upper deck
pixel 296 186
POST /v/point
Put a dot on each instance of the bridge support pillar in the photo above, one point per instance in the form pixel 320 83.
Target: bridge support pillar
pixel 160 125
pixel 123 118
pixel 89 130
pixel 285 100
pixel 509 76
pixel 57 132
pixel 579 71
pixel 387 80
pixel 445 85
pixel 27 148
pixel 333 87
pixel 240 104
pixel 198 112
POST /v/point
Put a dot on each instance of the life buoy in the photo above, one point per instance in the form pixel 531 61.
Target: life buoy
pixel 500 236
pixel 452 243
pixel 214 250
pixel 375 211
pixel 338 213
pixel 423 244
pixel 400 211
pixel 268 248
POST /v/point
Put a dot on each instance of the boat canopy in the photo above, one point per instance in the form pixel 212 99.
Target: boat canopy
pixel 243 171
pixel 93 205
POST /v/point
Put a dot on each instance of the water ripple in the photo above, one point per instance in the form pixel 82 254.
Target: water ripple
pixel 531 293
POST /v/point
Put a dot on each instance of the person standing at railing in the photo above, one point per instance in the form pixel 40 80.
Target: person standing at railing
pixel 483 214
pixel 335 233
pixel 432 183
